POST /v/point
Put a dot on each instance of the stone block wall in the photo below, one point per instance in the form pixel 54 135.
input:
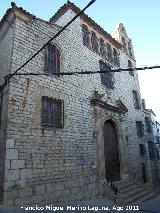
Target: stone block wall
pixel 41 163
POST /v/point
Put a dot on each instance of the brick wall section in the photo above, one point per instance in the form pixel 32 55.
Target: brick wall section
pixel 41 163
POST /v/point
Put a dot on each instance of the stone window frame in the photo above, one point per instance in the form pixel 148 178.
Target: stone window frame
pixel 103 50
pixel 136 99
pixel 94 42
pixel 109 53
pixel 107 79
pixel 140 128
pixel 85 34
pixel 52 112
pixel 116 58
pixel 51 59
pixel 130 66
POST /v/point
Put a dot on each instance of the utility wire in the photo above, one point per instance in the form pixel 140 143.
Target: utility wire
pixel 89 72
pixel 7 78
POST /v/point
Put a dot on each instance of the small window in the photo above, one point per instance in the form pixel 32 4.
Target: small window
pixel 151 150
pixel 130 49
pixel 102 48
pixel 107 78
pixel 124 44
pixel 136 99
pixel 85 33
pixel 148 125
pixel 94 41
pixel 115 58
pixel 142 149
pixel 52 112
pixel 130 66
pixel 140 128
pixel 52 59
pixel 109 53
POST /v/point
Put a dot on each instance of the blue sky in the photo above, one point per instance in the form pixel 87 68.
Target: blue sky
pixel 141 19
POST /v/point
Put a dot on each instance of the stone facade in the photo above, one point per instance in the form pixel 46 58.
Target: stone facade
pixel 42 164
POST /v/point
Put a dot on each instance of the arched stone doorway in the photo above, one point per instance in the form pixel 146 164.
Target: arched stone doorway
pixel 111 152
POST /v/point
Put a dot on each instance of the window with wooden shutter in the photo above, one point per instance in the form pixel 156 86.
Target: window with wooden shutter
pixel 52 59
pixel 52 112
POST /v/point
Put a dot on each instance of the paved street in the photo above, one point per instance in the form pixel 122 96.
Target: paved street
pixel 97 205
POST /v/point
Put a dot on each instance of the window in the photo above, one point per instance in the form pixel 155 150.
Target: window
pixel 52 112
pixel 94 41
pixel 109 52
pixel 136 99
pixel 151 150
pixel 130 49
pixel 148 125
pixel 115 58
pixel 107 78
pixel 142 149
pixel 85 33
pixel 102 48
pixel 124 44
pixel 52 59
pixel 130 66
pixel 140 128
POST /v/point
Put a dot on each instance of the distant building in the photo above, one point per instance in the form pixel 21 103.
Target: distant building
pixel 62 137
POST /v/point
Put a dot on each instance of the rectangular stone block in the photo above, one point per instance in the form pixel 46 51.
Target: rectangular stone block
pixel 11 175
pixel 11 154
pixel 25 192
pixel 17 164
pixel 10 143
pixel 25 173
pixel 40 189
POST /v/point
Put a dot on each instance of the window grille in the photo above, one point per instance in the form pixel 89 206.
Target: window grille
pixel 136 99
pixel 52 59
pixel 107 79
pixel 109 53
pixel 94 41
pixel 52 112
pixel 116 58
pixel 103 51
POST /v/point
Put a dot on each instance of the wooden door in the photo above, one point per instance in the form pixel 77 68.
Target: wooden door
pixel 112 164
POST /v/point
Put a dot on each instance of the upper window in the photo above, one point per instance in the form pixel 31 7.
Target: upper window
pixel 151 150
pixel 115 58
pixel 124 44
pixel 136 99
pixel 107 78
pixel 94 41
pixel 85 33
pixel 130 49
pixel 148 124
pixel 139 127
pixel 102 48
pixel 52 112
pixel 142 149
pixel 109 52
pixel 130 66
pixel 52 59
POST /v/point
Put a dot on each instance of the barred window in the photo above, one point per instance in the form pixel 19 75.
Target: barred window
pixel 136 99
pixel 52 112
pixel 94 41
pixel 140 128
pixel 142 149
pixel 115 58
pixel 85 34
pixel 130 66
pixel 107 78
pixel 52 59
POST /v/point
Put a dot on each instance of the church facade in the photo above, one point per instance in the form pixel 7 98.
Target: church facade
pixel 63 136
